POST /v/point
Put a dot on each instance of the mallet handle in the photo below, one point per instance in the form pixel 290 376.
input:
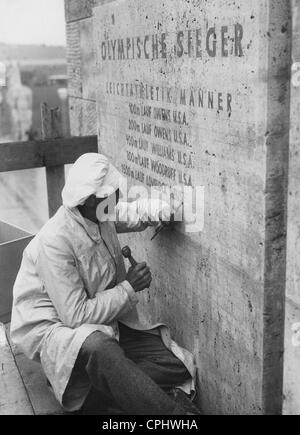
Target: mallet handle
pixel 126 251
pixel 132 261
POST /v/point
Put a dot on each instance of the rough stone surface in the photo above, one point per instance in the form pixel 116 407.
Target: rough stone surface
pixel 221 290
pixel 292 336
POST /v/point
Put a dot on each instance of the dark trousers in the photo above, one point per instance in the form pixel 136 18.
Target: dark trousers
pixel 134 374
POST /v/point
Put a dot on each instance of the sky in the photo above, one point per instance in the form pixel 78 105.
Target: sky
pixel 32 22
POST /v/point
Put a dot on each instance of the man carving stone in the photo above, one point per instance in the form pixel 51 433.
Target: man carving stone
pixel 75 306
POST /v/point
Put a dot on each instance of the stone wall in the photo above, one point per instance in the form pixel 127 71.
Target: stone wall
pixel 220 290
pixel 292 335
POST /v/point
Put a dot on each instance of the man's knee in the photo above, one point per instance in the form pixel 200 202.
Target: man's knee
pixel 98 344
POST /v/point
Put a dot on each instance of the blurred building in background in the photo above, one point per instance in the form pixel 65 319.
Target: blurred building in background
pixel 43 69
pixel 34 74
pixel 15 106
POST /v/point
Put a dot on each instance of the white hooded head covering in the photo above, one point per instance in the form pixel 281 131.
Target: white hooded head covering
pixel 91 174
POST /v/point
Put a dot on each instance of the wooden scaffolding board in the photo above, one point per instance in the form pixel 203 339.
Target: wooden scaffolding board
pixel 23 387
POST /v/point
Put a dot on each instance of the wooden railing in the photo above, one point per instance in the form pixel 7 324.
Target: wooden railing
pixel 52 154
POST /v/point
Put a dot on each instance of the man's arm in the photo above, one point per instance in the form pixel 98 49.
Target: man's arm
pixel 139 215
pixel 62 281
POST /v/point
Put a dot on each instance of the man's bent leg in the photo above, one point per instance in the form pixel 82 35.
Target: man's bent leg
pixel 151 355
pixel 160 364
pixel 115 376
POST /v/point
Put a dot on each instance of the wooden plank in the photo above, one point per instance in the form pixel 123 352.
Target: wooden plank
pixel 13 396
pixel 45 153
pixel 51 122
pixel 83 117
pixel 41 398
pixel 55 176
pixel 55 183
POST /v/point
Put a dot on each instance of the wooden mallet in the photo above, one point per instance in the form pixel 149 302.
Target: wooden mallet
pixel 126 251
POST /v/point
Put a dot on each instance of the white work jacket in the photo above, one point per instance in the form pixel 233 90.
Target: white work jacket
pixel 72 282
